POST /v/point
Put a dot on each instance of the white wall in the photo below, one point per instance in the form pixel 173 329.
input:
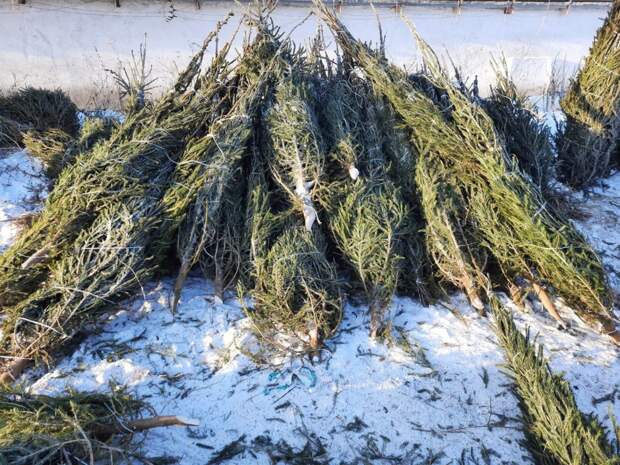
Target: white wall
pixel 69 43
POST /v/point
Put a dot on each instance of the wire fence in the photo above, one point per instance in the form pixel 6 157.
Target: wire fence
pixel 203 3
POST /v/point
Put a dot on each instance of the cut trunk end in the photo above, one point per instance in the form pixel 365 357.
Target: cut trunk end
pixel 315 343
pixel 475 301
pixel 519 297
pixel 14 371
pixel 547 303
pixel 615 337
pixel 610 329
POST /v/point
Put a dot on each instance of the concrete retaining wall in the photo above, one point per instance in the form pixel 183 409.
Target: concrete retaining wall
pixel 69 44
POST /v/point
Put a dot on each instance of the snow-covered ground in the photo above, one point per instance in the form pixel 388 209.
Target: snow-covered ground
pixel 433 393
pixel 22 188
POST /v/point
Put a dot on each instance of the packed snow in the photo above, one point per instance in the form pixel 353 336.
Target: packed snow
pixel 432 392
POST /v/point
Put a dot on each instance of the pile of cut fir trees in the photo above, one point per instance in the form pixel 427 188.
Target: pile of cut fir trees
pixel 589 141
pixel 296 177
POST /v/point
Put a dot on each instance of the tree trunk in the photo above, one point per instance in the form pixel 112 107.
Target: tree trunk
pixel 143 424
pixel 375 319
pixel 219 280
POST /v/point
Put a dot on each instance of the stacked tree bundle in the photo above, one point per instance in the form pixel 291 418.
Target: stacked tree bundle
pixel 107 224
pixel 295 286
pixel 372 213
pixel 588 144
pixel 39 110
pixel 484 218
